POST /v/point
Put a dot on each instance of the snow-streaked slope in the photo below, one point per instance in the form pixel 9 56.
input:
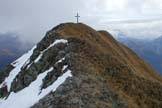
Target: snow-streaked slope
pixel 29 94
pixel 32 94
pixel 56 84
pixel 18 64
pixel 60 60
pixel 54 43
pixel 23 61
pixel 23 58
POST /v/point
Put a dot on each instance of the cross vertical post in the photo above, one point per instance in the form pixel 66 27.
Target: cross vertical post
pixel 77 16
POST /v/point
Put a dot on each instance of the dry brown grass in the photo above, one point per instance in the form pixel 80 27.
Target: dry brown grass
pixel 132 79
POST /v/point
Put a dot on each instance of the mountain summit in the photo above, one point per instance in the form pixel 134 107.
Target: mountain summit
pixel 75 66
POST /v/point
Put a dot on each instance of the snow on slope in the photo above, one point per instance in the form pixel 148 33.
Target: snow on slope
pixel 18 64
pixel 23 61
pixel 54 43
pixel 23 58
pixel 29 94
pixel 32 94
pixel 56 84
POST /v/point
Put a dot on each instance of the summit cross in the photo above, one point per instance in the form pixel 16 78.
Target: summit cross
pixel 77 16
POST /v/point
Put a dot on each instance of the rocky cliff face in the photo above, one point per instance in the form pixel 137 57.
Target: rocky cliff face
pixel 75 66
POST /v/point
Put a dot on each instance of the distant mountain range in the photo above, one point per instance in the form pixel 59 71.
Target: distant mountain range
pixel 11 48
pixel 149 50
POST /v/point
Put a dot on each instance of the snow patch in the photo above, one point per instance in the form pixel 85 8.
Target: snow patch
pixel 60 60
pixel 29 65
pixel 59 41
pixel 39 57
pixel 23 58
pixel 18 64
pixel 53 44
pixel 56 84
pixel 64 67
pixel 32 94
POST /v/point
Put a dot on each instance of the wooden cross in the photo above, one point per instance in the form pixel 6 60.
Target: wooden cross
pixel 77 16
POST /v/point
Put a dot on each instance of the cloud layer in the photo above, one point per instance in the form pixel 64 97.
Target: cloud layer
pixel 32 18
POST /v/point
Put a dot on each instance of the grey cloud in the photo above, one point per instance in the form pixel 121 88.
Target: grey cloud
pixel 32 18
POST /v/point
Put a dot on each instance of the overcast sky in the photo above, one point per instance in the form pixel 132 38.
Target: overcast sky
pixel 30 19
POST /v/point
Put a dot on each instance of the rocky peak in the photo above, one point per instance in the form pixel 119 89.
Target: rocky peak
pixel 75 66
